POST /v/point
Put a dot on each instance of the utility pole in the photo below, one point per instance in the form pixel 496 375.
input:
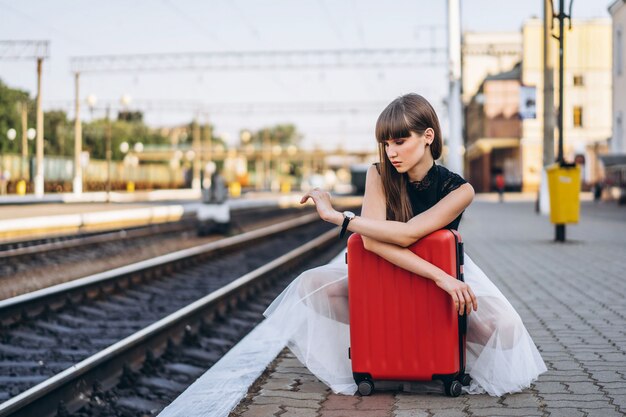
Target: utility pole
pixel 560 228
pixel 24 161
pixel 19 50
pixel 108 154
pixel 39 179
pixel 77 183
pixel 548 86
pixel 195 182
pixel 561 16
pixel 455 138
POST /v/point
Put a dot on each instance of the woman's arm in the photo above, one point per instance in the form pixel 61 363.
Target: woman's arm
pixel 397 233
pixel 374 209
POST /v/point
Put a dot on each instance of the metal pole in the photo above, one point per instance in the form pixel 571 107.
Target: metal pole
pixel 39 180
pixel 195 183
pixel 24 162
pixel 77 184
pixel 455 138
pixel 560 228
pixel 108 154
pixel 208 142
pixel 548 86
pixel 266 159
pixel 561 47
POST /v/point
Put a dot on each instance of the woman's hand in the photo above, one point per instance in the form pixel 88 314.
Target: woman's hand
pixel 461 293
pixel 323 205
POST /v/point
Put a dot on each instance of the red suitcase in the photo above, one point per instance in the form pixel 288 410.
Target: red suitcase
pixel 402 326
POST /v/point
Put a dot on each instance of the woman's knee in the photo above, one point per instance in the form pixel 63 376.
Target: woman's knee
pixel 508 327
pixel 312 283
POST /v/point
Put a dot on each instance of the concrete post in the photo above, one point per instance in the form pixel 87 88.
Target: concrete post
pixel 39 179
pixel 455 112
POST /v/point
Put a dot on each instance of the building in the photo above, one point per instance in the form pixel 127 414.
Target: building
pixel 487 53
pixel 618 17
pixel 493 132
pixel 615 162
pixel 491 79
pixel 587 97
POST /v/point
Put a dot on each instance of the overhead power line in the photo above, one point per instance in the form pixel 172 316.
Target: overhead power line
pixel 22 50
pixel 195 106
pixel 262 60
pixel 493 49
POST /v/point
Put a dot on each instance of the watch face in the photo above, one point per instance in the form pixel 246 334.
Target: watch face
pixel 348 215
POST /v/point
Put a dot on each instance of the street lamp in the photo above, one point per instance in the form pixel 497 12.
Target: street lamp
pixel 246 136
pixel 31 133
pixel 138 147
pixel 91 102
pixel 124 147
pixel 126 100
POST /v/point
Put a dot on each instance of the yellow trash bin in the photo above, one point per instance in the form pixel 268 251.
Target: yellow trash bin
pixel 130 186
pixel 564 188
pixel 285 187
pixel 20 187
pixel 234 189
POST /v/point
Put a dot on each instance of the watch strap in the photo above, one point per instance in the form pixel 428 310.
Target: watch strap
pixel 344 227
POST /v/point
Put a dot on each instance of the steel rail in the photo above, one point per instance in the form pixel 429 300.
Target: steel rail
pixel 59 242
pixel 52 298
pixel 92 239
pixel 73 386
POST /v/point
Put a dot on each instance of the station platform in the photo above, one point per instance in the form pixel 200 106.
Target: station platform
pixel 69 214
pixel 569 295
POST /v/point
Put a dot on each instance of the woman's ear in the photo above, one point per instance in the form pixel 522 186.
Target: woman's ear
pixel 429 135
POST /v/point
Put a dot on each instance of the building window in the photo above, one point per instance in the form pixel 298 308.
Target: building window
pixel 578 116
pixel 578 80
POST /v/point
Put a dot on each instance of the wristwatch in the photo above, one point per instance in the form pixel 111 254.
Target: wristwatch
pixel 347 216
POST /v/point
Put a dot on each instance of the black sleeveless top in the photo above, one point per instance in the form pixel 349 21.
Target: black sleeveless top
pixel 438 183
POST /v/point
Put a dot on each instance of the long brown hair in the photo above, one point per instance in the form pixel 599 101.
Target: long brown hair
pixel 406 114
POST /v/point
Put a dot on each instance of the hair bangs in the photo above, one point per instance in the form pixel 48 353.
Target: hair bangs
pixel 392 123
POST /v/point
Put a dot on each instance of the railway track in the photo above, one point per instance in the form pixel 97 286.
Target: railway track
pixel 144 329
pixel 36 261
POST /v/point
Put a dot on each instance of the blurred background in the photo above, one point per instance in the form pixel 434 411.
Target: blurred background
pixel 281 96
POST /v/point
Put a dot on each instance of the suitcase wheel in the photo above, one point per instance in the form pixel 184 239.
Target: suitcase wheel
pixel 465 380
pixel 366 387
pixel 454 389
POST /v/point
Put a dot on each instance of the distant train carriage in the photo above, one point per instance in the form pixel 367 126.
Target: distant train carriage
pixel 214 212
pixel 358 173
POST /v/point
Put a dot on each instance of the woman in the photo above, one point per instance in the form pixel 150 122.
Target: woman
pixel 407 196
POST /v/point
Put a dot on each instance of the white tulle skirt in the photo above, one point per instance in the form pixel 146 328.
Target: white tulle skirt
pixel 312 314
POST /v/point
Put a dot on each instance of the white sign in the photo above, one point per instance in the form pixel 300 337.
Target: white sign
pixel 528 102
pixel 84 159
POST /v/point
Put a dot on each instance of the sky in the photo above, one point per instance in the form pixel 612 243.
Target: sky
pixel 120 27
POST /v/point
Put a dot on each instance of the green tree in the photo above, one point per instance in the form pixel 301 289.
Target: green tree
pixel 281 134
pixel 10 118
pixel 58 133
pixel 132 132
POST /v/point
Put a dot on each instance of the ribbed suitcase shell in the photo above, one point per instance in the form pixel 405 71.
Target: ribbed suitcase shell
pixel 402 326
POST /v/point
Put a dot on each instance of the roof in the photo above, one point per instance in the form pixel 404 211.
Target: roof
pixel 615 6
pixel 613 160
pixel 513 74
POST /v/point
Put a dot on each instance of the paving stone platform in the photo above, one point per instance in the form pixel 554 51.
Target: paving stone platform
pixel 571 296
